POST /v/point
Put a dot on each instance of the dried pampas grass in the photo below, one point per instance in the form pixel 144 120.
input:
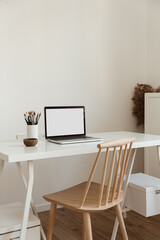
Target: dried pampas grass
pixel 138 99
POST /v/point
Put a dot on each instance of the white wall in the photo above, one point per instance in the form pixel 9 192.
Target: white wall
pixel 154 43
pixel 68 52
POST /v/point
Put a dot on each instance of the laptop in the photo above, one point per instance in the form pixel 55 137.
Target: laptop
pixel 65 125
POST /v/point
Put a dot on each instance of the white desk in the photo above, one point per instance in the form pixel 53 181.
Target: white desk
pixel 16 152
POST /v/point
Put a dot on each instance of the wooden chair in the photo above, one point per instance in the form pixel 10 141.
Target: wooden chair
pixel 90 196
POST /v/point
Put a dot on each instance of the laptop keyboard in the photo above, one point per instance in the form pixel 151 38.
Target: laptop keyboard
pixel 70 138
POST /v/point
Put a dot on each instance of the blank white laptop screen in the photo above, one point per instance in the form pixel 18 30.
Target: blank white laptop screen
pixel 64 121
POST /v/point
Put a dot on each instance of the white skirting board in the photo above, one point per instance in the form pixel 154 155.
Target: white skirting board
pixel 44 207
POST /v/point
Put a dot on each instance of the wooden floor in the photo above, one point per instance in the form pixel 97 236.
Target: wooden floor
pixel 68 225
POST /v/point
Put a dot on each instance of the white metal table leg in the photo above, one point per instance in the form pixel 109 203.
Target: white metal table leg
pixel 32 203
pixel 158 153
pixel 28 200
pixel 1 166
pixel 128 173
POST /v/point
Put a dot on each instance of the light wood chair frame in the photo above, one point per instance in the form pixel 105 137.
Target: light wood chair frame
pixel 110 195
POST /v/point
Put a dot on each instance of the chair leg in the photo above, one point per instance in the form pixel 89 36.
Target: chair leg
pixel 87 225
pixel 83 230
pixel 121 222
pixel 51 221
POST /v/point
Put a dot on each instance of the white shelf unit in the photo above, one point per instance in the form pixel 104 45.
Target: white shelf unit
pixel 152 126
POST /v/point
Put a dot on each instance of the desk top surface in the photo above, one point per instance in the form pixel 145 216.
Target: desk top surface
pixel 16 151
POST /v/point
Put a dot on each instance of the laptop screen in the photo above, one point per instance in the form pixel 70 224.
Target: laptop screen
pixel 64 121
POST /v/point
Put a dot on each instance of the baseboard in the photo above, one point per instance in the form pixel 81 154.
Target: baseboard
pixel 44 207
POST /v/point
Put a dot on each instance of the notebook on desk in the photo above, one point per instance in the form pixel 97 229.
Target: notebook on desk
pixel 64 125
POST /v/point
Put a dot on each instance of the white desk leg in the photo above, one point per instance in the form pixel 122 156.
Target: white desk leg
pixel 28 200
pixel 32 203
pixel 125 185
pixel 158 152
pixel 1 166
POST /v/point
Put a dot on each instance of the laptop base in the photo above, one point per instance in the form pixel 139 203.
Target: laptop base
pixel 76 140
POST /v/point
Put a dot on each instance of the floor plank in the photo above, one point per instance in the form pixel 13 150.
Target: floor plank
pixel 68 225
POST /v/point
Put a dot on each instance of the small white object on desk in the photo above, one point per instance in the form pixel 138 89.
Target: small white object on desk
pixel 32 131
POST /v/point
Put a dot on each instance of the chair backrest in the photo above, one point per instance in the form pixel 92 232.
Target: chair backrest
pixel 116 169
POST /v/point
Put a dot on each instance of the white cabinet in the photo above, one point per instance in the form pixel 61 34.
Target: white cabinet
pixel 152 126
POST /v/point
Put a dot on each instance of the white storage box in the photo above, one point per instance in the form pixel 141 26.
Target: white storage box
pixel 143 194
pixel 10 223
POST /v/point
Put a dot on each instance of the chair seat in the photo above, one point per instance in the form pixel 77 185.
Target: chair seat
pixel 72 197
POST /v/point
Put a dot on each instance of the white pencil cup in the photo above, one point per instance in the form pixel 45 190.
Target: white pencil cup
pixel 32 131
